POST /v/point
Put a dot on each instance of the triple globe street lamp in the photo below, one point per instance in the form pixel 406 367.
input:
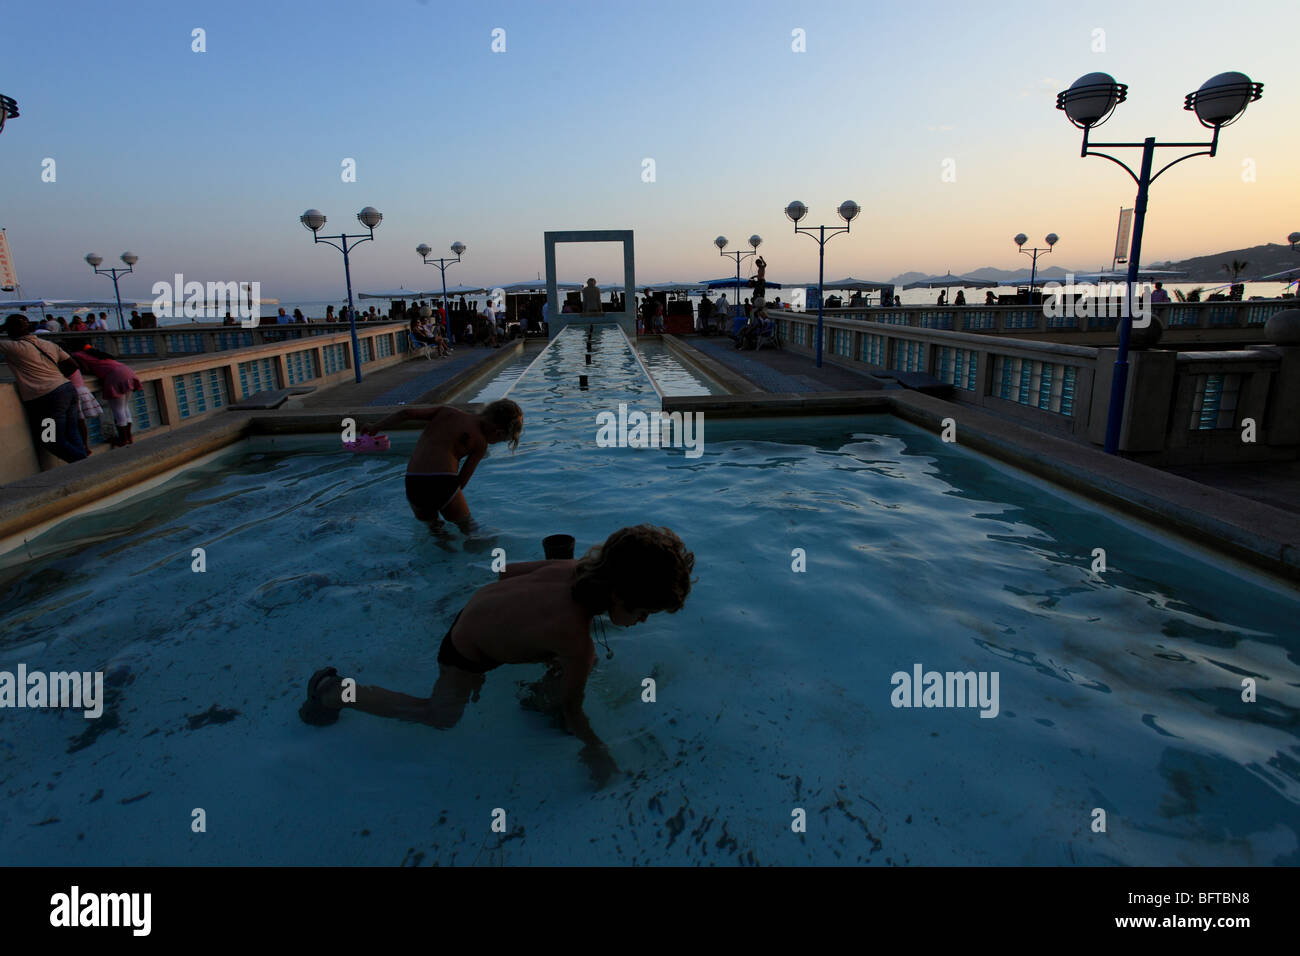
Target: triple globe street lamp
pixel 115 273
pixel 848 211
pixel 370 217
pixel 1088 103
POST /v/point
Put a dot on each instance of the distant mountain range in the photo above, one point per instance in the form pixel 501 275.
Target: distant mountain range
pixel 1262 260
pixel 988 272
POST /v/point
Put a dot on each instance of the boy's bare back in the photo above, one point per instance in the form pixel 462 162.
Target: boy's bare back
pixel 526 617
pixel 450 436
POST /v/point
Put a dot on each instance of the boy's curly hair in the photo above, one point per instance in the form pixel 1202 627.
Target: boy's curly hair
pixel 647 567
pixel 507 416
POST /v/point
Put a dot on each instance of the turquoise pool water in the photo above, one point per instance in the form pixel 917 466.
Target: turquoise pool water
pixel 672 377
pixel 1120 691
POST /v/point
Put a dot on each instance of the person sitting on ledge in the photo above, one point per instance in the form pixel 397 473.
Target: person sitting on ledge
pixel 421 332
pixel 760 281
pixel 990 298
pixel 591 298
pixel 961 297
pixel 537 612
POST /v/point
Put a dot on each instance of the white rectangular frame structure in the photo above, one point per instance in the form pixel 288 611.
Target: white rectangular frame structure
pixel 626 319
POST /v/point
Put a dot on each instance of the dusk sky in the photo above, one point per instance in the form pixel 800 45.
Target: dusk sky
pixel 201 163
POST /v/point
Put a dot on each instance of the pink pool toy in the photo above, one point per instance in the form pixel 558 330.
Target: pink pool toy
pixel 368 443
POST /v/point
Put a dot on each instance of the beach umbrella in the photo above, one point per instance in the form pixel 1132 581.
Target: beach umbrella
pixel 458 290
pixel 855 285
pixel 951 281
pixel 394 294
pixel 730 283
pixel 537 285
pixel 677 286
pixel 1144 275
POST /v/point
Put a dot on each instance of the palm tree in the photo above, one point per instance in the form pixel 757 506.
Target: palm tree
pixel 1236 269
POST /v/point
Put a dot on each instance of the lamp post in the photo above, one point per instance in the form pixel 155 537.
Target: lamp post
pixel 848 211
pixel 8 110
pixel 423 250
pixel 370 217
pixel 754 241
pixel 115 273
pixel 1020 240
pixel 1089 102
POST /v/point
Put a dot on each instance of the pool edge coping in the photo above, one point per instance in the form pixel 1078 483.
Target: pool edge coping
pixel 1258 534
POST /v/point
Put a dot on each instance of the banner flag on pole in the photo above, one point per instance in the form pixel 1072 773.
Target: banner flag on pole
pixel 8 275
pixel 1122 237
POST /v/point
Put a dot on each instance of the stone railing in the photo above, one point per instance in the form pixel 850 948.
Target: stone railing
pixel 170 341
pixel 1181 406
pixel 1189 321
pixel 180 389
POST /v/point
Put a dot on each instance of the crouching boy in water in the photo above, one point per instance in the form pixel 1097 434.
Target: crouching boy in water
pixel 539 611
pixel 435 477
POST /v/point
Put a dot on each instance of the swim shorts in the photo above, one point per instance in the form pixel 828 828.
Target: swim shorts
pixel 432 492
pixel 447 654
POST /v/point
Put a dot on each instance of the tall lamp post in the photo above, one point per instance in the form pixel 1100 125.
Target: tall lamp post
pixel 754 241
pixel 423 250
pixel 1020 240
pixel 115 273
pixel 369 217
pixel 848 211
pixel 1089 102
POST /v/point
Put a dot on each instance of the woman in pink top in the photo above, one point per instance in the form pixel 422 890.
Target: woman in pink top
pixel 116 383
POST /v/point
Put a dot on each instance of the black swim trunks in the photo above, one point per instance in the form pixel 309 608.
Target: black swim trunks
pixel 433 492
pixel 447 654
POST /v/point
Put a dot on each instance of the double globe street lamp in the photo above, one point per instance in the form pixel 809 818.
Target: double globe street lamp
pixel 115 273
pixel 754 241
pixel 370 217
pixel 1020 240
pixel 423 250
pixel 1088 103
pixel 848 211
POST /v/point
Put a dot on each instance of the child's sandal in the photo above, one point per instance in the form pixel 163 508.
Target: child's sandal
pixel 313 711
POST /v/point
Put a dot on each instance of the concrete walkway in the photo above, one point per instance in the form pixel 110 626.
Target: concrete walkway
pixel 780 371
pixel 412 381
pixel 1275 483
